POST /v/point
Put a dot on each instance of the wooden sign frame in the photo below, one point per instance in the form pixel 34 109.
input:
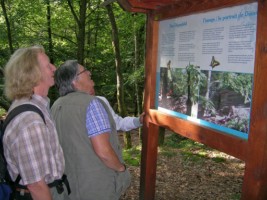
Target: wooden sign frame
pixel 252 151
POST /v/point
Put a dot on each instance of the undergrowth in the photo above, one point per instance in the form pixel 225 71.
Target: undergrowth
pixel 2 112
pixel 191 150
pixel 188 149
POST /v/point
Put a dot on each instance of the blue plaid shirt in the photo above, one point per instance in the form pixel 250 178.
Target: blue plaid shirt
pixel 97 121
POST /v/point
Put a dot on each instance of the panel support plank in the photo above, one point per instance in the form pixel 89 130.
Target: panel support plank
pixel 150 131
pixel 255 178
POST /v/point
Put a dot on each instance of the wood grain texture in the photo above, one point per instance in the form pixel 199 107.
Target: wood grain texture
pixel 254 150
pixel 150 132
pixel 255 178
pixel 184 8
pixel 218 140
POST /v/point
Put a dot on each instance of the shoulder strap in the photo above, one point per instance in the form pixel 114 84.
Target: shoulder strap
pixel 19 109
pixel 13 113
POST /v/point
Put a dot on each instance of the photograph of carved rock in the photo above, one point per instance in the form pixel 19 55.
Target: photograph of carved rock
pixel 220 98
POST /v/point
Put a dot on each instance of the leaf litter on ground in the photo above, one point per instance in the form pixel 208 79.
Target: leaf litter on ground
pixel 187 170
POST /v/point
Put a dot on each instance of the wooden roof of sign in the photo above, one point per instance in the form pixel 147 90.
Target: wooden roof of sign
pixel 144 6
pixel 175 6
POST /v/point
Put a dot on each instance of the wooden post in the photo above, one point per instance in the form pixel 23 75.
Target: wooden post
pixel 255 178
pixel 150 131
pixel 149 162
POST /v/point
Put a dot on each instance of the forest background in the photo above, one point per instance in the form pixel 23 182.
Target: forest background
pixel 103 37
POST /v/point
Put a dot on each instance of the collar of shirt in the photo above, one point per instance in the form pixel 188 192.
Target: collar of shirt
pixel 35 99
pixel 41 100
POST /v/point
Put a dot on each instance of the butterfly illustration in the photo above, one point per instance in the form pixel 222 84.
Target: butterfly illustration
pixel 214 62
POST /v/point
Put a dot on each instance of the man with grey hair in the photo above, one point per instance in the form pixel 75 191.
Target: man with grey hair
pixel 88 135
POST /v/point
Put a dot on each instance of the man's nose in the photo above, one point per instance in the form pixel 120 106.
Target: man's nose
pixel 52 67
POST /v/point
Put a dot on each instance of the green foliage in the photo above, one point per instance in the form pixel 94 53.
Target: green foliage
pixel 194 79
pixel 167 153
pixel 190 77
pixel 236 197
pixel 206 103
pixel 132 156
pixel 192 157
pixel 4 103
pixel 238 124
pixel 28 24
pixel 218 159
pixel 190 150
pixel 240 83
pixel 2 112
pixel 180 142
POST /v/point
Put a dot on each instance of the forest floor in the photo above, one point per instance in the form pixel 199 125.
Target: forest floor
pixel 191 172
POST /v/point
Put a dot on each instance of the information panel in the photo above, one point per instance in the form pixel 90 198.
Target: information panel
pixel 205 67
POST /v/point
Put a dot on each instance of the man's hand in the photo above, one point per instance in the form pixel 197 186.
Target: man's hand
pixel 40 190
pixel 141 117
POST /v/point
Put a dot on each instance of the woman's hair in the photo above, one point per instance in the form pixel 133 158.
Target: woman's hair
pixel 22 72
pixel 65 75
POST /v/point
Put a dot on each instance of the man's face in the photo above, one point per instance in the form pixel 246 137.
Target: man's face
pixel 47 70
pixel 84 82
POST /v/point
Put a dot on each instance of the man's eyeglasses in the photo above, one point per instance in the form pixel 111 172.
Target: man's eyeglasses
pixel 85 70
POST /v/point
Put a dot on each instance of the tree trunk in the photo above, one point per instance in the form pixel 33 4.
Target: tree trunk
pixel 81 28
pixel 136 66
pixel 5 104
pixel 81 33
pixel 49 31
pixel 127 138
pixel 188 101
pixel 207 96
pixel 53 91
pixel 161 136
pixel 164 87
pixel 120 91
pixel 9 35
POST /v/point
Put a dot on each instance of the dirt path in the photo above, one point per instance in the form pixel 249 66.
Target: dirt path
pixel 180 179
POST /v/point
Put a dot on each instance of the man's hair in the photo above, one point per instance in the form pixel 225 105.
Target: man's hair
pixel 22 72
pixel 65 75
